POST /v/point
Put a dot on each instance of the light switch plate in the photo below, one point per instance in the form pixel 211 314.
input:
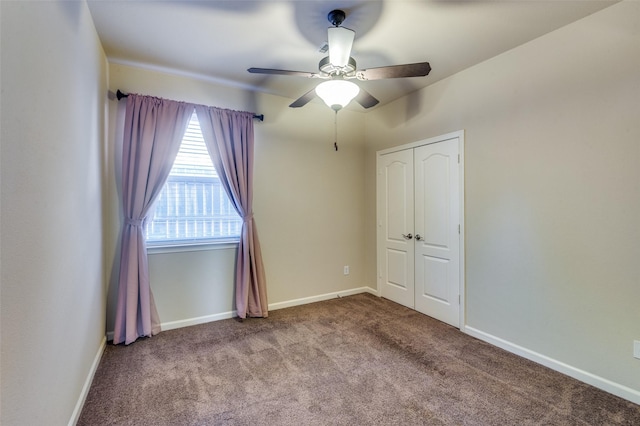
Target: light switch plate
pixel 636 349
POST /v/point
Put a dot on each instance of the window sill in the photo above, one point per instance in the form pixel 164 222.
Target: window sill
pixel 197 246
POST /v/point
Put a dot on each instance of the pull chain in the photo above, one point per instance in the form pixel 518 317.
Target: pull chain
pixel 335 134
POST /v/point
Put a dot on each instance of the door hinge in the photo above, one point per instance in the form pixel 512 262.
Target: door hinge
pixel 459 299
pixel 458 158
pixel 458 228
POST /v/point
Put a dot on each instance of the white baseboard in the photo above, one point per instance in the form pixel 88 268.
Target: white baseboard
pixel 87 383
pixel 272 307
pixel 171 325
pixel 321 297
pixel 584 376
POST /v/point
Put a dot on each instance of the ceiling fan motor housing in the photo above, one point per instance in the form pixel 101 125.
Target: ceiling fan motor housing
pixel 328 68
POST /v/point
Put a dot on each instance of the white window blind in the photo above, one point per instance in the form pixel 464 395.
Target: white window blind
pixel 193 206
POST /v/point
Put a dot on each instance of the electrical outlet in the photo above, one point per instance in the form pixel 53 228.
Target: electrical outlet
pixel 346 270
pixel 636 349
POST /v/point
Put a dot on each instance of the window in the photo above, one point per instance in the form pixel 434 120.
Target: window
pixel 193 207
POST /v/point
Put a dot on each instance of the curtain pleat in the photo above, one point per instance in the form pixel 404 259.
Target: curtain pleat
pixel 229 138
pixel 153 131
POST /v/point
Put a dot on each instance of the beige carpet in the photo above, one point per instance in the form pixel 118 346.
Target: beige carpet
pixel 358 360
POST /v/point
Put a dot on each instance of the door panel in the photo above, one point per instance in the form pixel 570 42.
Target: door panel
pixel 436 227
pixel 436 272
pixel 434 191
pixel 395 219
pixel 397 268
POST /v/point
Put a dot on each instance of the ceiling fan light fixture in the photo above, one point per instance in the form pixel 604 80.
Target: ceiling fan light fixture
pixel 340 42
pixel 337 93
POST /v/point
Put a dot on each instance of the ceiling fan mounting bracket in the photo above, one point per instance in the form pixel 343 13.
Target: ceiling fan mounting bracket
pixel 336 17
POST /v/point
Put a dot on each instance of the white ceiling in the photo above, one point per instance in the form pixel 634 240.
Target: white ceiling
pixel 219 40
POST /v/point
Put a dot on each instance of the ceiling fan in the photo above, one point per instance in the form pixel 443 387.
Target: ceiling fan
pixel 339 67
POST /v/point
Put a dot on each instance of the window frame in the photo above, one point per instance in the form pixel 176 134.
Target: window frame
pixel 190 244
pixel 161 248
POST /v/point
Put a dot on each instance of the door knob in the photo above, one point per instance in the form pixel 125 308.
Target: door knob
pixel 408 236
pixel 418 237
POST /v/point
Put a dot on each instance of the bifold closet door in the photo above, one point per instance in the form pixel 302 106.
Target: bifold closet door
pixel 395 221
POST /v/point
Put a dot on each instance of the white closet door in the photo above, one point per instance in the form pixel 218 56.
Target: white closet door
pixel 437 242
pixel 395 222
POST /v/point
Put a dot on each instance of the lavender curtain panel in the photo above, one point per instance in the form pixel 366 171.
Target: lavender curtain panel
pixel 153 131
pixel 229 139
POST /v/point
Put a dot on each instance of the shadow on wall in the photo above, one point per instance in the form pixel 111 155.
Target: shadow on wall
pixel 414 105
pixel 72 10
pixel 112 291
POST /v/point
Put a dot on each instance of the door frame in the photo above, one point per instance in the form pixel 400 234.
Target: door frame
pixel 379 252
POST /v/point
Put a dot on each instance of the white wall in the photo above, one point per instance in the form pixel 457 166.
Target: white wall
pixel 552 190
pixel 308 201
pixel 54 77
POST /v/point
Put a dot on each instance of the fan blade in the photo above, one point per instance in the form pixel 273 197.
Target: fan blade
pixel 365 99
pixel 283 72
pixel 419 69
pixel 340 41
pixel 304 99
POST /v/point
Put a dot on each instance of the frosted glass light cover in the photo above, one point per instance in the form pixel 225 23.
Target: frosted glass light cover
pixel 337 93
pixel 340 42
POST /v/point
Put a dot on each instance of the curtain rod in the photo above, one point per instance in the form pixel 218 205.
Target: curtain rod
pixel 121 95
